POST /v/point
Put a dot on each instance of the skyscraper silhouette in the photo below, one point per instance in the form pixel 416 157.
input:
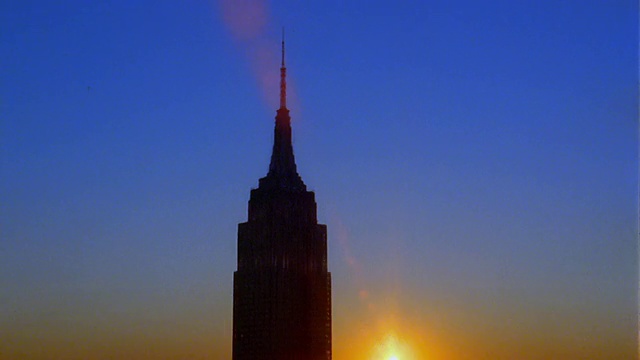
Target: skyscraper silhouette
pixel 282 288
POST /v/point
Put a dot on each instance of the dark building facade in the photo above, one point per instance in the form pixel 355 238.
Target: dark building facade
pixel 282 287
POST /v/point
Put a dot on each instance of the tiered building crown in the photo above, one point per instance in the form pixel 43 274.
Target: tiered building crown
pixel 282 169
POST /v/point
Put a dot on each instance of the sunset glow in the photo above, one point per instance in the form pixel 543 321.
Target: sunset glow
pixel 392 348
pixel 475 165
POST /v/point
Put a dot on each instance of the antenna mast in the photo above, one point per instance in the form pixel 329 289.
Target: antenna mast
pixel 283 80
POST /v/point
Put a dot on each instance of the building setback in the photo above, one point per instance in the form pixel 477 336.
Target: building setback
pixel 282 287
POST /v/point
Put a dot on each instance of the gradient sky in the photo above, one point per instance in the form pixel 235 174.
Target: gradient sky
pixel 475 163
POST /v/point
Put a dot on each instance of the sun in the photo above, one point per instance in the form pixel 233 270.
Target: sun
pixel 392 347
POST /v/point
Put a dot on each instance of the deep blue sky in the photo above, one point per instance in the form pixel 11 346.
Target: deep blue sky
pixel 475 162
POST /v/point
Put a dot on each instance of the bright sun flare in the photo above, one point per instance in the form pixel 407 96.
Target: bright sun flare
pixel 391 347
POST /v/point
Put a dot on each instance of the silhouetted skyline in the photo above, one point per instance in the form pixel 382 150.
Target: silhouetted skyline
pixel 282 286
pixel 475 164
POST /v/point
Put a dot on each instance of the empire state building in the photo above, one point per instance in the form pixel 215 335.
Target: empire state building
pixel 282 287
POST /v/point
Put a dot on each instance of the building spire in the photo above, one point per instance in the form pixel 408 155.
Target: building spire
pixel 282 169
pixel 283 78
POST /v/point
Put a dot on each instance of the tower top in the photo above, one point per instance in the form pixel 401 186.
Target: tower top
pixel 283 78
pixel 282 47
pixel 282 174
